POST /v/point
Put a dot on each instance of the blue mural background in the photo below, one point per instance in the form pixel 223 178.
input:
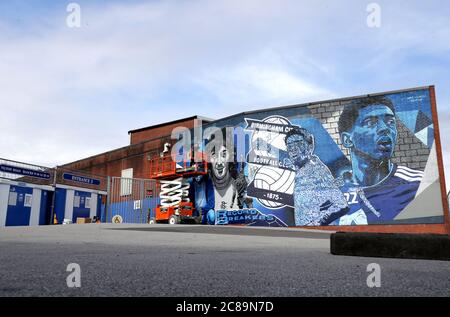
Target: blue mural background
pixel 378 201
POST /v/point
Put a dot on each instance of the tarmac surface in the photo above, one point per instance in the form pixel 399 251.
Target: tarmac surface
pixel 190 260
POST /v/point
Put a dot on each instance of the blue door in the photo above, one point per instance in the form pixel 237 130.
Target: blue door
pixel 45 214
pixel 81 205
pixel 60 204
pixel 19 206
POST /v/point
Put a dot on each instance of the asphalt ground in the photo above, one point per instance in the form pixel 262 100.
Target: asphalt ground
pixel 190 260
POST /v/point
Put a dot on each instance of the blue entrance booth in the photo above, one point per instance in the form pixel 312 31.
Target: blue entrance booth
pixel 73 202
pixel 24 204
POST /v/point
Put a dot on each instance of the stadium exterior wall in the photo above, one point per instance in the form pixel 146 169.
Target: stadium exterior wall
pixel 329 188
pixel 369 163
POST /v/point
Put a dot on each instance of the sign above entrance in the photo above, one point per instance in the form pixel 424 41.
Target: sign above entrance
pixel 81 179
pixel 24 171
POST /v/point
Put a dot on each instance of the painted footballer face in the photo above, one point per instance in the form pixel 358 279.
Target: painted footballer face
pixel 219 163
pixel 374 133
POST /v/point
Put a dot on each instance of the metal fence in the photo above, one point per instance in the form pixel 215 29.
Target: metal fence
pixel 134 200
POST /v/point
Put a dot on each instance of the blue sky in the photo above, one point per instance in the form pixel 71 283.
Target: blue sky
pixel 68 93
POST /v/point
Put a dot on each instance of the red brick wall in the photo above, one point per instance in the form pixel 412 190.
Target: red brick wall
pixel 143 144
pixel 112 163
pixel 162 131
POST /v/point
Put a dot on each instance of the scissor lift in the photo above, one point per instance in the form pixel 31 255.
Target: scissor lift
pixel 175 206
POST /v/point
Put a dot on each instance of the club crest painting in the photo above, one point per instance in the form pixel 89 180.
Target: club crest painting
pixel 358 161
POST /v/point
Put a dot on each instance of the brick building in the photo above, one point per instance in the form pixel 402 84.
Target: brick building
pixel 411 198
pixel 132 161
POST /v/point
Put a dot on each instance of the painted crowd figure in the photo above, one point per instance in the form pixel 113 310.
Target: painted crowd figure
pixel 317 197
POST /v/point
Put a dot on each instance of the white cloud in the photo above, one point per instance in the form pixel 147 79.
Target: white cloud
pixel 64 86
pixel 257 86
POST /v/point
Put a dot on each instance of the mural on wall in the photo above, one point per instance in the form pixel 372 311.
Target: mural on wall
pixel 221 173
pixel 317 198
pixel 378 189
pixel 369 160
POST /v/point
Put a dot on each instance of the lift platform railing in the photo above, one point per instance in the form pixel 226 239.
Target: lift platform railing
pixel 166 168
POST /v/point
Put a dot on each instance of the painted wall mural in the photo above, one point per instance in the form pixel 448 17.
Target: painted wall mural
pixel 369 160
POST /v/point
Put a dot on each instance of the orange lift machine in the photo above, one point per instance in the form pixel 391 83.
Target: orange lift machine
pixel 175 205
